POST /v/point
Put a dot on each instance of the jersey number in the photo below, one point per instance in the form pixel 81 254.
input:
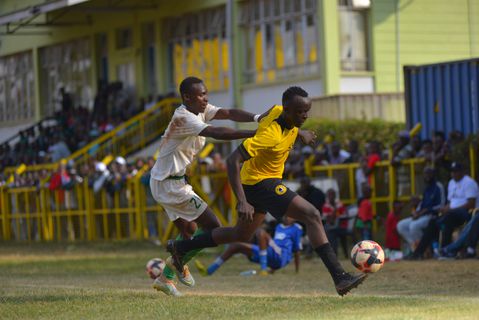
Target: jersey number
pixel 196 201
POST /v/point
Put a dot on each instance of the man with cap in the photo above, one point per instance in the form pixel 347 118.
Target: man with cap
pixel 463 196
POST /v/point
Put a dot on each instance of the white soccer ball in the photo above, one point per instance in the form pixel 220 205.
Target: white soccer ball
pixel 155 267
pixel 367 256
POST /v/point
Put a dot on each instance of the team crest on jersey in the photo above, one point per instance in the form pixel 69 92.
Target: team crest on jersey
pixel 280 189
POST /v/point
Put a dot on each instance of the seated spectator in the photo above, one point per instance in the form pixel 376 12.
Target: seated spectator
pixel 467 240
pixel 365 214
pixel 463 194
pixel 433 198
pixel 335 227
pixel 393 242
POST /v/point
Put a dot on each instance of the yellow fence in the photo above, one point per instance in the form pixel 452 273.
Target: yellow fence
pixel 128 137
pixel 41 214
pixel 33 214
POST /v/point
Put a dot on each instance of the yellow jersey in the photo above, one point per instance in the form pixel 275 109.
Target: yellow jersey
pixel 268 149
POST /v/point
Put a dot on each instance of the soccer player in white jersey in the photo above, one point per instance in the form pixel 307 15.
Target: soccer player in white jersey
pixel 182 140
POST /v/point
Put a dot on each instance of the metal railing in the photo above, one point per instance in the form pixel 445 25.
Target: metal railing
pixel 128 137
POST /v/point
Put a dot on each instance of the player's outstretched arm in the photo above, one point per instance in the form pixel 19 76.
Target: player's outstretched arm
pixel 233 163
pixel 223 133
pixel 238 115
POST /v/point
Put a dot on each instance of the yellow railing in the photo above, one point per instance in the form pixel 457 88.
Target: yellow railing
pixel 41 214
pixel 32 214
pixel 128 137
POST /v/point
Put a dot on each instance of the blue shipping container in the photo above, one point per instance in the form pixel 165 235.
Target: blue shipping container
pixel 443 96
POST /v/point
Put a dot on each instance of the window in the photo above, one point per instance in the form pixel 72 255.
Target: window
pixel 124 38
pixel 66 65
pixel 353 32
pixel 17 87
pixel 280 39
pixel 197 46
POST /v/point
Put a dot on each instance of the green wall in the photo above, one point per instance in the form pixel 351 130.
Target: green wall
pixel 427 31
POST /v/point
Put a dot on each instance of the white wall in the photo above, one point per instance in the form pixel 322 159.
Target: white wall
pixel 356 85
pixel 257 100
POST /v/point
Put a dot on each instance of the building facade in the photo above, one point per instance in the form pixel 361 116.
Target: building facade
pixel 247 51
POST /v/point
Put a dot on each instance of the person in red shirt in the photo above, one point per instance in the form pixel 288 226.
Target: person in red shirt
pixel 372 157
pixel 365 214
pixel 393 241
pixel 336 228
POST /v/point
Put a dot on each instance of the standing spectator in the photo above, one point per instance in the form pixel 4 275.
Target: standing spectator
pixel 365 214
pixel 354 153
pixel 373 156
pixel 337 155
pixel 361 176
pixel 402 150
pixel 312 194
pixel 393 242
pixel 336 228
pixel 441 163
pixel 66 101
pixel 433 198
pixel 427 152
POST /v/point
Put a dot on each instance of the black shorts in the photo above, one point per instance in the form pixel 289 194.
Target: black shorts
pixel 269 195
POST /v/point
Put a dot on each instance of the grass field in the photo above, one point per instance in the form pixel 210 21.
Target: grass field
pixel 108 281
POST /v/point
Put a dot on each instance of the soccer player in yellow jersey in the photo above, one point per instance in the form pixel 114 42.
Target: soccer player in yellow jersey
pixel 259 189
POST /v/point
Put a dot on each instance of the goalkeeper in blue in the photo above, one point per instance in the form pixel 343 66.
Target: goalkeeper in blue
pixel 273 253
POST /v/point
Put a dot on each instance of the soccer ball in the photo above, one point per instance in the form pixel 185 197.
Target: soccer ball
pixel 155 267
pixel 367 256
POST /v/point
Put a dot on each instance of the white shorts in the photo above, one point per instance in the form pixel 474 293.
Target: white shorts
pixel 178 199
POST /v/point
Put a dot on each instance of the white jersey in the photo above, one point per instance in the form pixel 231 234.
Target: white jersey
pixel 181 142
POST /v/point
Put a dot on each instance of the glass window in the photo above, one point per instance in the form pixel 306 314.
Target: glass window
pixel 353 31
pixel 66 65
pixel 124 38
pixel 197 46
pixel 280 39
pixel 17 87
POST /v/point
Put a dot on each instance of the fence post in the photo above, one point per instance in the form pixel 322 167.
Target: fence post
pixel 3 206
pixel 88 211
pixel 139 208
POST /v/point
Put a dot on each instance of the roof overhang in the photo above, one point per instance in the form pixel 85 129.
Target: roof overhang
pixel 32 12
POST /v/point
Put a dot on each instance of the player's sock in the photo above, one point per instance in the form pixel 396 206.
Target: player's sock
pixel 263 259
pixel 215 265
pixel 330 260
pixel 204 240
pixel 170 274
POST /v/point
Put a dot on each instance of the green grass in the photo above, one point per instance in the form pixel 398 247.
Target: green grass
pixel 108 281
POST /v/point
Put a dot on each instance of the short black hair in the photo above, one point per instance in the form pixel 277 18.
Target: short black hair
pixel 187 83
pixel 291 92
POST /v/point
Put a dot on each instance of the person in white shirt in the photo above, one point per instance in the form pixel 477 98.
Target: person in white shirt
pixel 182 140
pixel 462 196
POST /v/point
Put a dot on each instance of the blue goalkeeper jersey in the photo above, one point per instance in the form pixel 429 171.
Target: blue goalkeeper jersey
pixel 287 239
